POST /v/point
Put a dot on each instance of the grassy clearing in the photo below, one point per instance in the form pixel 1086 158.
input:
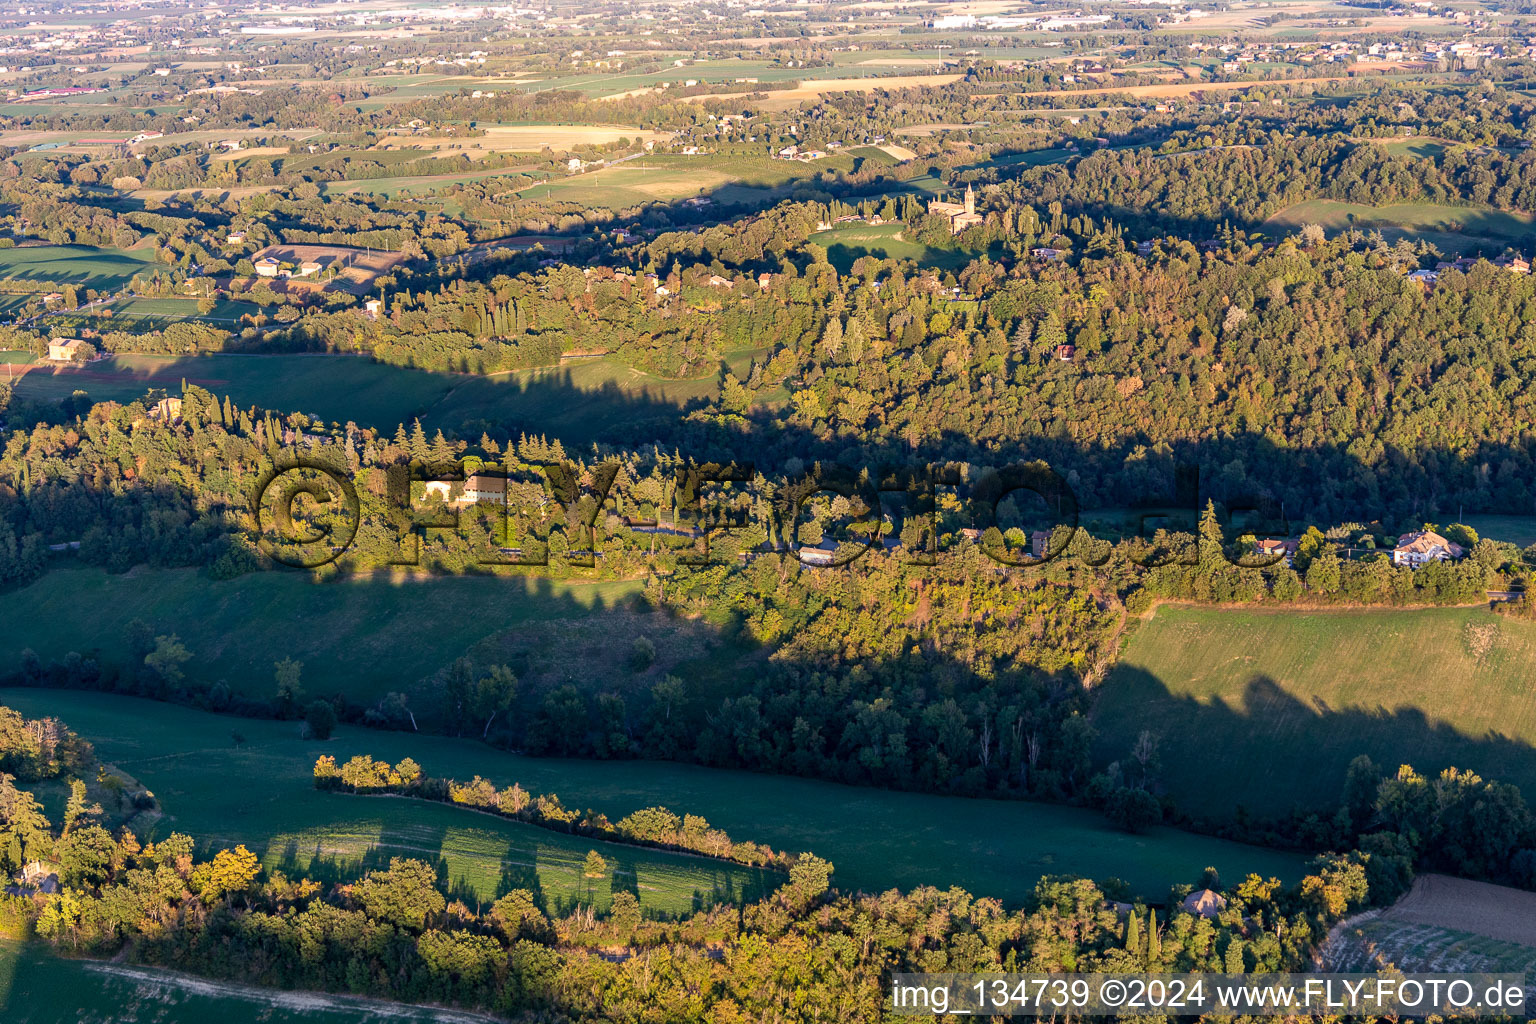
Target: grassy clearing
pixel 549 633
pixel 724 178
pixel 1266 709
pixel 847 242
pixel 1519 530
pixel 876 838
pixel 171 310
pixel 83 265
pixel 1421 148
pixel 579 401
pixel 1454 229
pixel 391 187
pixel 403 631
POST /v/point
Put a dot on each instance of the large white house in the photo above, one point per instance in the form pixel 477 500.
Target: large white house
pixel 1416 549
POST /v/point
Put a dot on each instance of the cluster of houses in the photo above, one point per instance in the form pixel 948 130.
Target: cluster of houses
pixel 1428 278
pixel 1413 549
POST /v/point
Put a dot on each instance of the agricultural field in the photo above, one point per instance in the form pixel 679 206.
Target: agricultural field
pixel 1443 924
pixel 1465 230
pixel 37 987
pixel 845 243
pixel 147 314
pixel 721 178
pixel 83 265
pixel 519 138
pixel 853 71
pixel 404 184
pixel 1232 695
pixel 200 767
pixel 876 838
pixel 580 401
pixel 158 312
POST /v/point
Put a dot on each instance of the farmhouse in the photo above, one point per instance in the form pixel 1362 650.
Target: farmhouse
pixel 308 267
pixel 961 215
pixel 67 350
pixel 373 306
pixel 1271 547
pixel 1423 546
pixel 235 238
pixel 268 267
pixel 485 488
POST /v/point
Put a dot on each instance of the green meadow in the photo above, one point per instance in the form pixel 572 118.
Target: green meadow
pixel 1454 229
pixel 226 792
pixel 847 242
pixel 362 638
pixel 228 781
pixel 1265 709
pixel 84 265
pixel 725 178
pixel 578 401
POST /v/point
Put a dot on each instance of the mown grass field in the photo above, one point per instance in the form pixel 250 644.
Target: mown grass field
pixel 1422 148
pixel 876 838
pixel 39 988
pixel 579 401
pixel 847 242
pixel 84 265
pixel 259 791
pixel 143 314
pixel 722 177
pixel 1455 229
pixel 1266 709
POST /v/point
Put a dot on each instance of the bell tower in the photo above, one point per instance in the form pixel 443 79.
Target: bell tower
pixel 970 200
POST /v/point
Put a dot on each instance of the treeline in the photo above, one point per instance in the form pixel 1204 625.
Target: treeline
pixel 653 826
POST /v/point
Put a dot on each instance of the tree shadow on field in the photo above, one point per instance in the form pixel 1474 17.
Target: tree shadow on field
pixel 1271 751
